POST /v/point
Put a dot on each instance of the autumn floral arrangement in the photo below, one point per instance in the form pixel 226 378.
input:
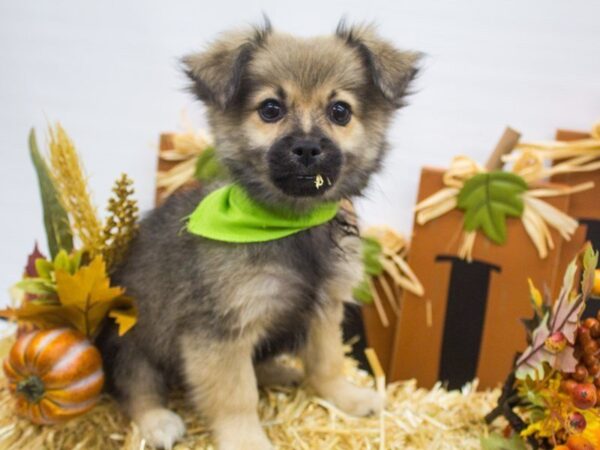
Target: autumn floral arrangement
pixel 551 398
pixel 53 369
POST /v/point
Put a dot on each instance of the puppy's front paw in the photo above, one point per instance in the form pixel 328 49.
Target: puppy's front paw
pixel 161 428
pixel 351 399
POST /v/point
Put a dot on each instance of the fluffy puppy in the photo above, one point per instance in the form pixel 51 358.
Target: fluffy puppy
pixel 212 315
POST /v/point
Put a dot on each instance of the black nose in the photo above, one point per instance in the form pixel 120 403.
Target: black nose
pixel 306 151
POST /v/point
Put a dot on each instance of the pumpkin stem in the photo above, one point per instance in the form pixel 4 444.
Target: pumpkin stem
pixel 32 388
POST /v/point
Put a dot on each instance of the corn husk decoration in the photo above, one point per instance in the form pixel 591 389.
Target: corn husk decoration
pixel 384 253
pixel 193 156
pixel 541 160
pixel 582 155
pixel 487 197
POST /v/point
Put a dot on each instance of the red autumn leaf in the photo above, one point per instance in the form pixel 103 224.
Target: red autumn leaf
pixel 30 270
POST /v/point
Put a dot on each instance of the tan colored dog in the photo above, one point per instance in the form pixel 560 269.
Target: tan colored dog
pixel 212 315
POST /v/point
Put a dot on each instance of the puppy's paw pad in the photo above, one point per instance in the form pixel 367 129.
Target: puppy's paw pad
pixel 355 400
pixel 161 428
pixel 276 374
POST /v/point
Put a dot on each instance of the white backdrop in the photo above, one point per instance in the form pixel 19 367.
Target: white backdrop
pixel 108 71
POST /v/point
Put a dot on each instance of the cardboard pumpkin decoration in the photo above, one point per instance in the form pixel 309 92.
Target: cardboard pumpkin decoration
pixel 468 323
pixel 573 159
pixel 54 375
pixel 478 235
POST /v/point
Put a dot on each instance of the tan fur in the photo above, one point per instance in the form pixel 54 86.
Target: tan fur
pixel 231 306
pixel 307 94
pixel 158 425
pixel 246 295
pixel 222 378
pixel 224 387
pixel 308 109
pixel 276 373
pixel 323 359
pixel 324 354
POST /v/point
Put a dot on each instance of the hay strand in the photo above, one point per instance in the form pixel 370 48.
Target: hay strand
pixel 294 418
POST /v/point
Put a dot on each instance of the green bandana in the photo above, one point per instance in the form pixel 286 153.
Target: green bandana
pixel 229 214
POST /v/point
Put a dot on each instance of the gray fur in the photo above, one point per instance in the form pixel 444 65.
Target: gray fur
pixel 181 282
pixel 198 297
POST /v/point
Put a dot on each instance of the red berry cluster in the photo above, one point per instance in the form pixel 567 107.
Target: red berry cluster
pixel 583 384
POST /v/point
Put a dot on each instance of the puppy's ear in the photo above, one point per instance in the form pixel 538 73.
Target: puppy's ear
pixel 217 72
pixel 391 70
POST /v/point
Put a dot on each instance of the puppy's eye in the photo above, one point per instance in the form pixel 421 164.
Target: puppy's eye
pixel 340 113
pixel 271 110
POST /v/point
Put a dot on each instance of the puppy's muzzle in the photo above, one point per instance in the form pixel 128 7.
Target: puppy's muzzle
pixel 304 165
pixel 307 152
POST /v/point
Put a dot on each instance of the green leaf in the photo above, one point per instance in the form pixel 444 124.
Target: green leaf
pixel 56 221
pixel 487 198
pixel 44 267
pixel 62 261
pixel 497 442
pixel 208 167
pixel 362 292
pixel 36 286
pixel 371 254
pixel 75 262
pixel 539 411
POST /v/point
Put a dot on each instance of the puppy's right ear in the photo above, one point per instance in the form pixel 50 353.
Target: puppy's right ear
pixel 218 71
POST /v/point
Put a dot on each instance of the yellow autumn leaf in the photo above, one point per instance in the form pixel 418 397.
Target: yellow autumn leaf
pixel 125 313
pixel 592 429
pixel 45 316
pixel 85 299
pixel 89 285
pixel 535 427
pixel 88 292
pixel 124 318
pixel 536 296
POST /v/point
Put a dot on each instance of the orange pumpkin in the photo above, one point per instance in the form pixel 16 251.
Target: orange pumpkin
pixel 54 375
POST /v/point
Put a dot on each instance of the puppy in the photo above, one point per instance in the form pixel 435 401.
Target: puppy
pixel 212 314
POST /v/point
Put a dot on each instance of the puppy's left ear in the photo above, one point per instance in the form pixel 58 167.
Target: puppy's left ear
pixel 218 71
pixel 391 70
